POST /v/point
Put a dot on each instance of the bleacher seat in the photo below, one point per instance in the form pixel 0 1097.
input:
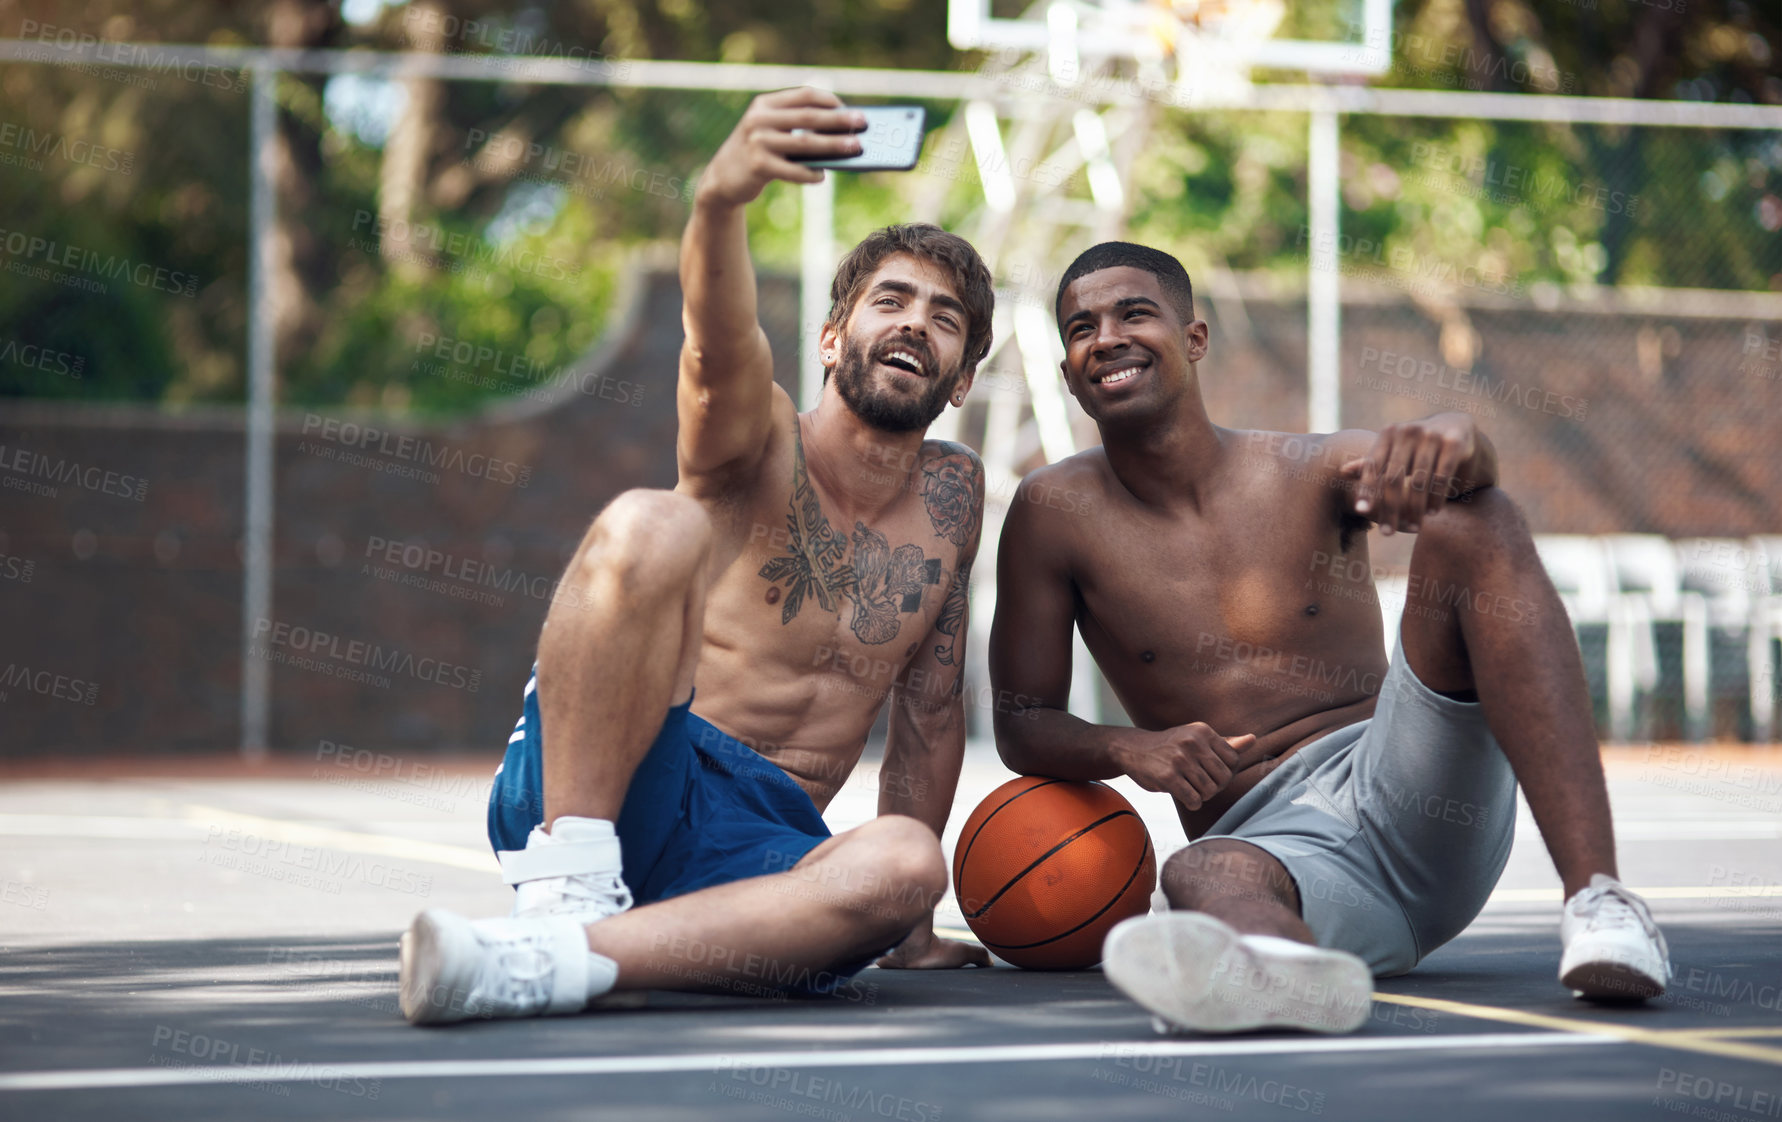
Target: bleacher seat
pixel 1647 574
pixel 1766 628
pixel 1585 578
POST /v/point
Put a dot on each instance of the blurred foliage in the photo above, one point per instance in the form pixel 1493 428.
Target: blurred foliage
pixel 439 244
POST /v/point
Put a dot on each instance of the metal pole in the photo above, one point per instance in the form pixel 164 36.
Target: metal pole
pixel 256 587
pixel 937 85
pixel 816 259
pixel 1323 388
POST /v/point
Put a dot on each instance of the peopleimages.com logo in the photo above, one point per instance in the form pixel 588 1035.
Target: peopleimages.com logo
pixel 413 451
pixel 309 646
pixel 28 465
pixel 21 247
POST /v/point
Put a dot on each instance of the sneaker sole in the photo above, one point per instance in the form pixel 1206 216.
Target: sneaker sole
pixel 432 940
pixel 1239 988
pixel 1610 981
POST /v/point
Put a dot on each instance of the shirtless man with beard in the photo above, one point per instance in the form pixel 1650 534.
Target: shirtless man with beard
pixel 807 568
pixel 1346 817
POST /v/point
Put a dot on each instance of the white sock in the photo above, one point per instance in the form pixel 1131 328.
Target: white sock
pixel 603 974
pixel 569 828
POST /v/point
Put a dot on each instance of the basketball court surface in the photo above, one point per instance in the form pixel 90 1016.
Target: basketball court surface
pixel 205 945
pixel 212 940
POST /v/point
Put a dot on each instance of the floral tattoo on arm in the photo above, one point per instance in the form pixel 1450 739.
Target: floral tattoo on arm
pixel 953 492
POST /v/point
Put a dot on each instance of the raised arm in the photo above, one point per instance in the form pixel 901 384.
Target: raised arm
pixel 726 389
pixel 1030 664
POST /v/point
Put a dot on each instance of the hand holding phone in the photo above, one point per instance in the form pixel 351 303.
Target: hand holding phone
pixel 776 133
pixel 891 141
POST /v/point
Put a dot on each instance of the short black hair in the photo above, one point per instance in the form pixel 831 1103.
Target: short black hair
pixel 1111 255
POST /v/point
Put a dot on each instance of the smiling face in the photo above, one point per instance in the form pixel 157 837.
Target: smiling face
pixel 1127 352
pixel 900 354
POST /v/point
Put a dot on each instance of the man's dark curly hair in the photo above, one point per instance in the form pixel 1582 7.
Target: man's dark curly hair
pixel 930 243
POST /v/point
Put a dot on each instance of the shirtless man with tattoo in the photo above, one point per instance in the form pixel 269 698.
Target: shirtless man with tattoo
pixel 809 567
pixel 1346 817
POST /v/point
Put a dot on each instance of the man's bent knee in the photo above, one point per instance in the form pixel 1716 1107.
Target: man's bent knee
pixel 1224 869
pixel 902 858
pixel 910 852
pixel 1472 524
pixel 646 536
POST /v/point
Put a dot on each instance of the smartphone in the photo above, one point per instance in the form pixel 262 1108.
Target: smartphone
pixel 891 140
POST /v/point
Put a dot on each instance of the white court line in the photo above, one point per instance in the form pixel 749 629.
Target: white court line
pixel 1654 892
pixel 1697 829
pixel 308 1071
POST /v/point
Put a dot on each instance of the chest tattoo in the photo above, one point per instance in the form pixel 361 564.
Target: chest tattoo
pixel 886 582
pixel 813 564
pixel 883 583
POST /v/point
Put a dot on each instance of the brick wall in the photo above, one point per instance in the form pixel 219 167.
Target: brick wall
pixel 121 592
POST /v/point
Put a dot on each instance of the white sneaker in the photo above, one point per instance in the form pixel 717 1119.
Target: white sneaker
pixel 575 870
pixel 455 968
pixel 1613 949
pixel 1195 972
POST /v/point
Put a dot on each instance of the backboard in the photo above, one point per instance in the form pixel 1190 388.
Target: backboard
pixel 1320 37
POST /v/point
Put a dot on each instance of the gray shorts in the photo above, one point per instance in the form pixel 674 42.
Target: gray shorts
pixel 1394 829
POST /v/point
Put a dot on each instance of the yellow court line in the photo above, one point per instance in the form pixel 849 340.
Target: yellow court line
pixel 1686 1040
pixel 1656 1038
pixel 300 833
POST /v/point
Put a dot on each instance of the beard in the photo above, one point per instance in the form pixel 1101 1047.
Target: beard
pixel 883 407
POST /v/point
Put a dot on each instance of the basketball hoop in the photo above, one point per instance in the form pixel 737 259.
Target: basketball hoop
pixel 1215 43
pixel 1234 36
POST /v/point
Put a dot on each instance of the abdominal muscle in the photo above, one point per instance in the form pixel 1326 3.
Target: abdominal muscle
pixel 812 724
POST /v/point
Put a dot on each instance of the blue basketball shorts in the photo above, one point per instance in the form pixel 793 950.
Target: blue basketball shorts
pixel 703 809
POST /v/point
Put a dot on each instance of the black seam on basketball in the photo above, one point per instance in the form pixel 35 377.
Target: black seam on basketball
pixel 959 858
pixel 1146 852
pixel 1040 860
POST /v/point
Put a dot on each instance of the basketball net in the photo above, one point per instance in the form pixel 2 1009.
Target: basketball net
pixel 1213 42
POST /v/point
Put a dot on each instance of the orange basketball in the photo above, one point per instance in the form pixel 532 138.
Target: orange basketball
pixel 1045 867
